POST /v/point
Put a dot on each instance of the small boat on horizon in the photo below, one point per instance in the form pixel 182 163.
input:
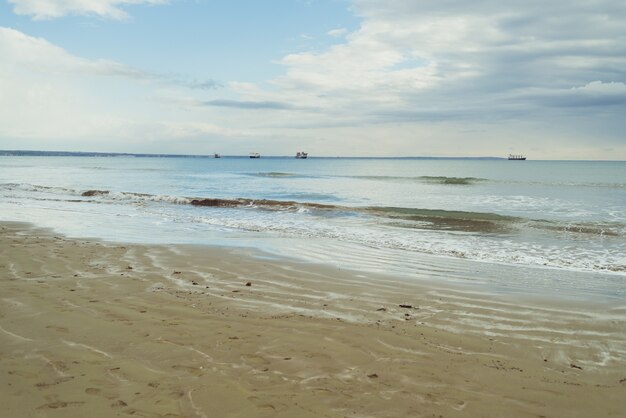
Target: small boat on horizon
pixel 216 155
pixel 513 157
pixel 255 155
pixel 302 155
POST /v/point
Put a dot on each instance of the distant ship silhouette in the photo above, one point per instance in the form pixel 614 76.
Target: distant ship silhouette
pixel 517 157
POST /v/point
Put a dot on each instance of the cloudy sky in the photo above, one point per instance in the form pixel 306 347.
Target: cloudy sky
pixel 332 77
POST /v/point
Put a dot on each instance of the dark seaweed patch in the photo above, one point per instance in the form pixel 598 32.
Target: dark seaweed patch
pixel 90 193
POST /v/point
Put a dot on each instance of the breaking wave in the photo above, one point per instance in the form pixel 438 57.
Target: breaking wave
pixel 396 217
pixel 399 217
pixel 461 234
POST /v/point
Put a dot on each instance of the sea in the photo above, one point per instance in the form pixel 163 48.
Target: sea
pixel 554 228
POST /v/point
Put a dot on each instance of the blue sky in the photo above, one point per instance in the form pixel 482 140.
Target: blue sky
pixel 219 40
pixel 333 77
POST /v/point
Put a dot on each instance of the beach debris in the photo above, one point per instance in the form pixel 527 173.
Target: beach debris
pixel 381 310
pixel 194 283
pixel 176 272
pixel 55 405
pixel 129 268
pixel 406 306
pixel 373 376
pixel 623 380
pixel 119 403
pixel 575 366
pixel 249 284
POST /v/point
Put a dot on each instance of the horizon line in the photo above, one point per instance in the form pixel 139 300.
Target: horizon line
pixel 42 153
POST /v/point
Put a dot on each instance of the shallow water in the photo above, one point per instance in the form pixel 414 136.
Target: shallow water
pixel 393 215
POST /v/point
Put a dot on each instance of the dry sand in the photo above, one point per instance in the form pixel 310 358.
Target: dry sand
pixel 93 329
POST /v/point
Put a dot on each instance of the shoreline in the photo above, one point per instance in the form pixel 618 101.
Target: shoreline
pixel 89 327
pixel 529 283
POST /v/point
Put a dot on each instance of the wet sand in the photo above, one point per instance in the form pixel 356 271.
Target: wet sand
pixel 98 329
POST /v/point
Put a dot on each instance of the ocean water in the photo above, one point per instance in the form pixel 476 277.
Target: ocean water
pixel 537 225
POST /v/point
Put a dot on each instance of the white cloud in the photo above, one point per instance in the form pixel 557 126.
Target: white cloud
pixel 598 87
pixel 441 56
pixel 337 33
pixel 50 9
pixel 36 54
pixel 594 95
pixel 445 77
pixel 520 66
pixel 49 96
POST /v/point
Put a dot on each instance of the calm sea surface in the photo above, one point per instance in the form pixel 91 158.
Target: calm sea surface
pixel 538 225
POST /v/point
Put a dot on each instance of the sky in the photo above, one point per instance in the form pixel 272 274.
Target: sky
pixel 332 77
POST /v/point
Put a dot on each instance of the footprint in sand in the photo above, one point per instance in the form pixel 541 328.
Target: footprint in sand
pixel 42 385
pixel 267 407
pixel 59 404
pixel 119 404
pixel 58 329
pixel 22 373
pixel 264 406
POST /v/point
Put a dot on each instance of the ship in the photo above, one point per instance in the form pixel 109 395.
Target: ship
pixel 301 154
pixel 216 155
pixel 516 157
pixel 255 155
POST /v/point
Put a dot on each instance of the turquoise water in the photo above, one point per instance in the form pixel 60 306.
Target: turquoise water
pixel 374 214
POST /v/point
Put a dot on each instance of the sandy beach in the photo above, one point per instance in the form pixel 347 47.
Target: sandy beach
pixel 90 328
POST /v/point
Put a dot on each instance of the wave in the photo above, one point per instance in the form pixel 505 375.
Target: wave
pixel 422 179
pixel 451 180
pixel 24 187
pixel 263 204
pixel 412 217
pixel 463 181
pixel 275 174
pixel 444 180
pixel 397 217
pixel 586 228
pixel 402 217
pixel 446 220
